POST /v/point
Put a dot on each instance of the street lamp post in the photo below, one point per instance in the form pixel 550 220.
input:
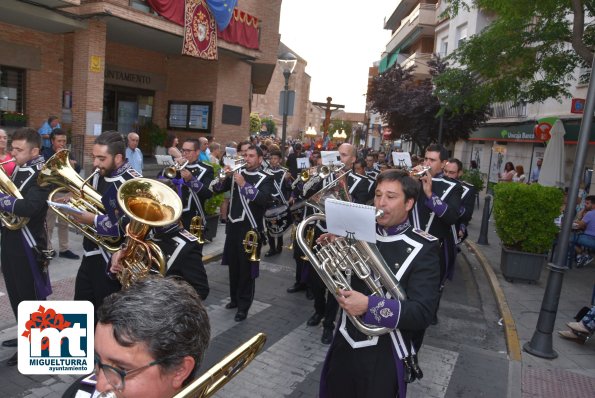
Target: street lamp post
pixel 287 62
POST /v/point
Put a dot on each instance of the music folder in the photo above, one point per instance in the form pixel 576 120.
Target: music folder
pixel 351 220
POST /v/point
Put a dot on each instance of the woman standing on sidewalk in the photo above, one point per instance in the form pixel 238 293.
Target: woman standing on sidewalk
pixel 8 167
pixel 508 173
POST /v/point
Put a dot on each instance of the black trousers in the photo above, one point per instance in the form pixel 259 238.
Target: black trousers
pixel 92 282
pixel 363 372
pixel 325 303
pixel 16 269
pixel 241 280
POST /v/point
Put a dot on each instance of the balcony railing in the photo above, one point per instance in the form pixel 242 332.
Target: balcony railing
pixel 423 16
pixel 504 110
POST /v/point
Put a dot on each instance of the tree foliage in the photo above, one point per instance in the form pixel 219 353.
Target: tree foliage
pixel 530 51
pixel 412 109
pixel 255 122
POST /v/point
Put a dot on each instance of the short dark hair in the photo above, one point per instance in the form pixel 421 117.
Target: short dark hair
pixel 242 143
pixel 52 118
pixel 276 152
pixel 57 131
pixel 440 149
pixel 410 186
pixel 590 198
pixel 297 147
pixel 164 314
pixel 195 142
pixel 361 162
pixel 28 134
pixel 116 145
pixel 256 148
pixel 458 163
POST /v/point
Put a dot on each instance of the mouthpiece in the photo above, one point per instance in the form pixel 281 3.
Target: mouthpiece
pixel 379 213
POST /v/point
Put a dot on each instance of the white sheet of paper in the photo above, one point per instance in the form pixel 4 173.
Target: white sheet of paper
pixel 303 163
pixel 231 152
pixel 64 207
pixel 97 129
pixel 343 218
pixel 330 157
pixel 227 161
pixel 402 158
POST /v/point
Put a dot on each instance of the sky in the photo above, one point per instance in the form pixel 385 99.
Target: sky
pixel 339 39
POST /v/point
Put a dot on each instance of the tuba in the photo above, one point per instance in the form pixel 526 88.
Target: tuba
pixel 222 372
pixel 148 204
pixel 58 171
pixel 7 187
pixel 336 260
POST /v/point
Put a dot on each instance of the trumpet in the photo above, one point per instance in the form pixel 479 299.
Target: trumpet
pixel 250 243
pixel 196 228
pixel 240 164
pixel 11 221
pixel 171 171
pixel 419 173
pixel 320 174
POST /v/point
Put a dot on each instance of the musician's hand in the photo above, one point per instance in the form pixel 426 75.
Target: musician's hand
pixel 186 175
pixel 353 302
pixel 287 176
pixel 115 263
pixel 291 201
pixel 426 181
pixel 326 238
pixel 72 162
pixel 83 218
pixel 239 179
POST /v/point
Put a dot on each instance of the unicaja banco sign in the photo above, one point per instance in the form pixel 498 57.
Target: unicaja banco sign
pixel 56 337
pixel 517 135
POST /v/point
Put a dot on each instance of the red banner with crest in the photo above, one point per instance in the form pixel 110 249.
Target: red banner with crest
pixel 200 31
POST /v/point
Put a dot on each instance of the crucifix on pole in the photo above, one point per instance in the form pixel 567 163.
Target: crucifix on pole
pixel 328 108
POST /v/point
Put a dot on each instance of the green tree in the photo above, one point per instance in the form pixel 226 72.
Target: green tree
pixel 255 122
pixel 412 109
pixel 530 52
pixel 270 125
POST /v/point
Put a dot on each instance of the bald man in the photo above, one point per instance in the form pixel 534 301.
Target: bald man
pixel 133 153
pixel 203 155
pixel 358 185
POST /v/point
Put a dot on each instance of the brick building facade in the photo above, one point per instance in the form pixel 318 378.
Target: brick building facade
pixel 102 65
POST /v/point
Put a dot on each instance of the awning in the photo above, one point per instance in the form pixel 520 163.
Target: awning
pixel 388 61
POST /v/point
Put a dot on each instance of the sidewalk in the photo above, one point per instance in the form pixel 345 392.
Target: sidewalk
pixel 572 374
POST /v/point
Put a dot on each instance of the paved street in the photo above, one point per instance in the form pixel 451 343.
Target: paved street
pixel 462 355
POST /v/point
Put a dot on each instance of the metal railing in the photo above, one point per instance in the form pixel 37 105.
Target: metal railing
pixel 503 110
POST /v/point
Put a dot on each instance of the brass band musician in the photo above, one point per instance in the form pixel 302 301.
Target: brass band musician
pixel 282 189
pixel 25 255
pixel 251 193
pixel 358 365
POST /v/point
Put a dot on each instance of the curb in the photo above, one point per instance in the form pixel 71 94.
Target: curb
pixel 513 343
pixel 212 257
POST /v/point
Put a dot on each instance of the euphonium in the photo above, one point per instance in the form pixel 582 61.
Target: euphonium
pixel 197 228
pixel 309 240
pixel 251 245
pixel 221 373
pixel 332 261
pixel 171 171
pixel 148 204
pixel 58 171
pixel 7 187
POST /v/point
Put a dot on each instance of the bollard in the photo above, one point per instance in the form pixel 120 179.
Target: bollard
pixel 485 221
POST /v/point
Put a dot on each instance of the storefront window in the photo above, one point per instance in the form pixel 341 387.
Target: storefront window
pixel 12 90
pixel 195 116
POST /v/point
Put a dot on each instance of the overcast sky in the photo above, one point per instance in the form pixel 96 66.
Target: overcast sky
pixel 340 39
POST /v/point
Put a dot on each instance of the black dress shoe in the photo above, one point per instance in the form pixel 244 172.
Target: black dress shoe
pixel 270 253
pixel 314 319
pixel 69 254
pixel 231 305
pixel 296 288
pixel 327 336
pixel 13 360
pixel 309 294
pixel 10 343
pixel 240 316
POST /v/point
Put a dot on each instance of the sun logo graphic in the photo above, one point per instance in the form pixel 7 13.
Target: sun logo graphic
pixel 56 337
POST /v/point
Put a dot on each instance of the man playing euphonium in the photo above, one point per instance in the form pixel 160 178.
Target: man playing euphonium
pixel 361 366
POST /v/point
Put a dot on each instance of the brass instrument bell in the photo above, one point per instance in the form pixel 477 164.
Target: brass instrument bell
pixel 251 245
pixel 197 229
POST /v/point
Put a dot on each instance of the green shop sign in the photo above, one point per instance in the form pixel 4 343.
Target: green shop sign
pixel 526 133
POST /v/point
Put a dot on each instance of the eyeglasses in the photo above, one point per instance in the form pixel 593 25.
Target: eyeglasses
pixel 115 376
pixel 187 150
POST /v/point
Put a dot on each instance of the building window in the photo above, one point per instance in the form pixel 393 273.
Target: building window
pixel 444 47
pixel 461 35
pixel 12 90
pixel 195 116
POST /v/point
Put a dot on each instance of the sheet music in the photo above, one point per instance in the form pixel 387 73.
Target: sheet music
pixel 230 152
pixel 330 157
pixel 402 159
pixel 353 219
pixel 303 163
